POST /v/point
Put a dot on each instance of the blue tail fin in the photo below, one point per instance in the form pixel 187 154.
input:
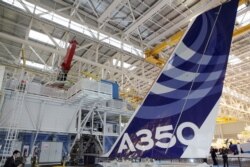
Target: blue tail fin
pixel 177 118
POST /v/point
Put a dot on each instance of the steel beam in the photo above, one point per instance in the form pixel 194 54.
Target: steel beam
pixel 39 57
pixel 203 6
pixel 151 11
pixel 26 37
pixel 109 10
pixel 81 21
pixel 29 114
pixel 93 8
pixel 8 51
pixel 83 47
pixel 62 52
pixel 48 34
pixel 64 8
pixel 75 8
pixel 5 60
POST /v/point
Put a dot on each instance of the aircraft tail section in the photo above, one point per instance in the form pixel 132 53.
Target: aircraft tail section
pixel 177 117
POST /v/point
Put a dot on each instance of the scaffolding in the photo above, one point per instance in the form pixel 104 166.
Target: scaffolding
pixel 19 94
pixel 94 111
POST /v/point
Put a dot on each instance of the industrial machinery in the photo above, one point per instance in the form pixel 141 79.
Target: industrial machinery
pixel 66 64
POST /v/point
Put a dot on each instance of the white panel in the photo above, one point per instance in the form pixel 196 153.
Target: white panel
pixel 46 116
pixel 245 147
pixel 57 117
pixel 2 69
pixel 44 154
pixel 51 152
pixel 52 149
pixel 58 151
pixel 230 129
pixel 30 114
pixel 233 128
pixel 109 128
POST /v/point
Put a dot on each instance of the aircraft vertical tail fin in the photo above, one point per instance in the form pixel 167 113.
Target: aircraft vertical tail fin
pixel 177 117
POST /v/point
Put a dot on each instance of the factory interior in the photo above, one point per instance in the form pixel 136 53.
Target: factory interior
pixel 73 73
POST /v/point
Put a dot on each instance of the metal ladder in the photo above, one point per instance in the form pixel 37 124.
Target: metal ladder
pixel 12 133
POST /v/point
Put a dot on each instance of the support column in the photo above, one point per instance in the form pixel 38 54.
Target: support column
pixel 120 122
pixel 104 123
pixel 79 124
pixel 221 132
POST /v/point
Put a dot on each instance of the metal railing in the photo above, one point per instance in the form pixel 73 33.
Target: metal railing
pixel 37 89
pixel 81 86
pixel 90 85
pixel 188 162
pixel 233 161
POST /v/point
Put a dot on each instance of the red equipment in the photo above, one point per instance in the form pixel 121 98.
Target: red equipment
pixel 66 64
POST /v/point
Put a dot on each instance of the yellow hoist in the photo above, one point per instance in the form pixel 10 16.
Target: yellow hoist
pixel 152 55
pixel 226 119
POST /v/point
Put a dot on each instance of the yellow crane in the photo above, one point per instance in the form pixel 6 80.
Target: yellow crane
pixel 132 97
pixel 226 119
pixel 152 55
pixel 90 75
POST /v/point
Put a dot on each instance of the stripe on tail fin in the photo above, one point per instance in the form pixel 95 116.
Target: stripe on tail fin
pixel 177 118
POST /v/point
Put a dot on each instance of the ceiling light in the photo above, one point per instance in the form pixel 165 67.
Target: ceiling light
pixel 243 19
pixel 247 128
pixel 233 60
pixel 15 3
pixel 45 39
pixel 36 65
pixel 128 89
pixel 125 65
pixel 242 6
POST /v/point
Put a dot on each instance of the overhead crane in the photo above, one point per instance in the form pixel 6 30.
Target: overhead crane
pixel 226 119
pixel 132 97
pixel 153 57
